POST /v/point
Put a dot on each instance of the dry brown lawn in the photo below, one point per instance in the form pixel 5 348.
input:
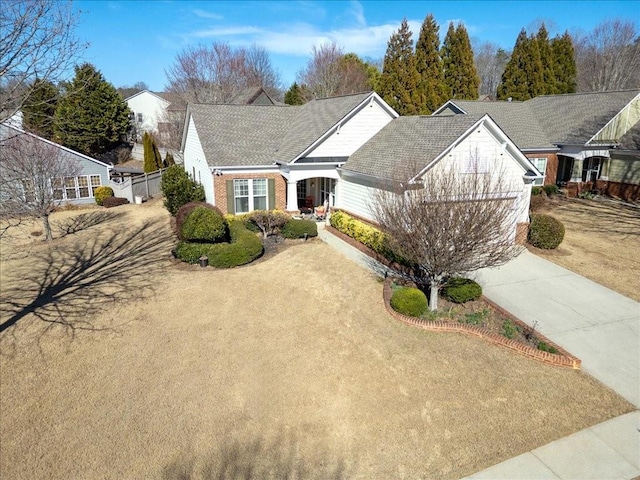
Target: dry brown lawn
pixel 288 368
pixel 602 242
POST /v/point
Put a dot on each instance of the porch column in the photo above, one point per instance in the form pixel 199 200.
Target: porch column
pixel 292 196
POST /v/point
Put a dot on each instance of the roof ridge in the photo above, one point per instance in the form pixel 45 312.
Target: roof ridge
pixel 342 96
pixel 624 90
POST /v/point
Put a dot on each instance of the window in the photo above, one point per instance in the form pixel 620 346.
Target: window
pixel 96 181
pixel 139 117
pixel 250 194
pixel 541 165
pixel 72 188
pixel 327 190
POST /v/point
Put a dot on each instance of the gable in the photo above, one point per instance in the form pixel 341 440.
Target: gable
pixel 619 125
pixel 353 132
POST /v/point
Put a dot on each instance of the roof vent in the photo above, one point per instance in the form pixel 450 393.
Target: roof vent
pixel 509 99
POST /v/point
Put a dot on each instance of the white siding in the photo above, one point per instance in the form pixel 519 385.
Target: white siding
pixel 150 106
pixel 354 133
pixel 196 163
pixel 355 198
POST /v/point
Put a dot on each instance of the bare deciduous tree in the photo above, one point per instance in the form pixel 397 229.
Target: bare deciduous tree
pixel 32 177
pixel 37 41
pixel 490 62
pixel 453 224
pixel 608 57
pixel 323 74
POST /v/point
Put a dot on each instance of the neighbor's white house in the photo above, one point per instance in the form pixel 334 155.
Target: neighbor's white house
pixel 340 150
pixel 148 110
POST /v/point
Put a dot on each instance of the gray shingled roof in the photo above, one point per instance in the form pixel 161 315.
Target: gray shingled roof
pixel 553 119
pixel 259 135
pixel 407 144
pixel 515 118
pixel 631 139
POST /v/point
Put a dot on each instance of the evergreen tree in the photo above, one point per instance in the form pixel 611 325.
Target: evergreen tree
pixel 547 61
pixel 169 160
pixel 149 155
pixel 39 108
pixel 295 95
pixel 399 80
pixel 460 74
pixel 93 118
pixel 522 77
pixel 156 154
pixel 564 64
pixel 432 90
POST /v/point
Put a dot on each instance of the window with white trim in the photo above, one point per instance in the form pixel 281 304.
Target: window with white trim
pixel 541 166
pixel 327 190
pixel 83 186
pixel 250 194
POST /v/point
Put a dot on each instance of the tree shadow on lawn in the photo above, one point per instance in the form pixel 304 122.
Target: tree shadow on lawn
pixel 84 221
pixel 68 285
pixel 259 458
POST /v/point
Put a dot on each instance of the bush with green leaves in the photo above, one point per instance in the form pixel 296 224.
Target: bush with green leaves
pixel 101 193
pixel 204 225
pixel 244 248
pixel 409 301
pixel 187 208
pixel 550 190
pixel 268 221
pixel 179 189
pixel 509 329
pixel 537 191
pixel 298 228
pixel 545 231
pixel 461 290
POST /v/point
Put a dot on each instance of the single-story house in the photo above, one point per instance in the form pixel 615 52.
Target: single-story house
pixel 573 139
pixel 78 189
pixel 338 150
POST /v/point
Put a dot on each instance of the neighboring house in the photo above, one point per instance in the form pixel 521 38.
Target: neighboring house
pixel 77 190
pixel 413 150
pixel 253 96
pixel 573 139
pixel 339 150
pixel 251 157
pixel 148 111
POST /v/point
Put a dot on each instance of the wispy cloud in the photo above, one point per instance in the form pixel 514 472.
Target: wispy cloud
pixel 226 32
pixel 358 12
pixel 208 15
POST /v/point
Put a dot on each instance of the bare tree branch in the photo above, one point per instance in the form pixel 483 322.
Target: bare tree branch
pixel 453 223
pixel 36 42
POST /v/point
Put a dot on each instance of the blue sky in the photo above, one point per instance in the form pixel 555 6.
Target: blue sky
pixel 133 41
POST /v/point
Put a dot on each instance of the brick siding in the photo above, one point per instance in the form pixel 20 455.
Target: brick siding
pixel 220 188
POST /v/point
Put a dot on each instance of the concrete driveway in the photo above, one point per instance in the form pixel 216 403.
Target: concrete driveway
pixel 596 324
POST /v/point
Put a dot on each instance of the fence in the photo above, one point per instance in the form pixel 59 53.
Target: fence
pixel 144 186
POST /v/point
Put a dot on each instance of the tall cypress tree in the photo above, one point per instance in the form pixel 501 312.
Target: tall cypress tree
pixel 546 60
pixel 399 80
pixel 93 118
pixel 39 108
pixel 149 155
pixel 460 74
pixel 432 90
pixel 522 77
pixel 564 64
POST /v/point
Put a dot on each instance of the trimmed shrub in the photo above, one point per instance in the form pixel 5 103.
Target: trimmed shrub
pixel 179 189
pixel 547 348
pixel 537 202
pixel 269 222
pixel 101 193
pixel 114 201
pixel 536 191
pixel 545 231
pixel 244 248
pixel 409 301
pixel 186 209
pixel 461 290
pixel 550 190
pixel 204 225
pixel 297 229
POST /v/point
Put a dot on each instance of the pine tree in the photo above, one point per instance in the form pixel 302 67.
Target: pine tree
pixel 564 64
pixel 460 74
pixel 294 96
pixel 432 90
pixel 547 61
pixel 39 108
pixel 399 80
pixel 93 118
pixel 169 160
pixel 522 77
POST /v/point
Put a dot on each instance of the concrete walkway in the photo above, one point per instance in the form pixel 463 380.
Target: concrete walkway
pixel 596 324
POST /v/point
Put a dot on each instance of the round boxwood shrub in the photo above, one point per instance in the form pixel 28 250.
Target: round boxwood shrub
pixel 204 225
pixel 101 193
pixel 184 212
pixel 244 248
pixel 297 229
pixel 545 231
pixel 409 301
pixel 461 290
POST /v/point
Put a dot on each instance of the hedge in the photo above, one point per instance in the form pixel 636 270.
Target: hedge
pixel 298 228
pixel 545 231
pixel 244 248
pixel 409 301
pixel 101 193
pixel 114 202
pixel 461 290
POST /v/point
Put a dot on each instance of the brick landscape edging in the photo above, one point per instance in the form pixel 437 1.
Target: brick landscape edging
pixel 560 359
